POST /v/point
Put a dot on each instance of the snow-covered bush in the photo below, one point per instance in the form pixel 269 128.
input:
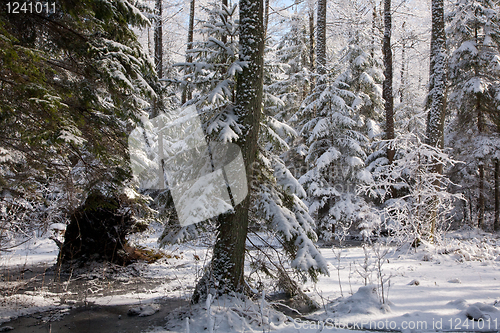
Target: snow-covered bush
pixel 420 191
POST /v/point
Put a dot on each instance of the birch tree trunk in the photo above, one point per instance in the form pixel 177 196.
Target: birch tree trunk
pixel 227 267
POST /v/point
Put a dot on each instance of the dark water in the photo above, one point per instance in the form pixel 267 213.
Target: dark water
pixel 96 319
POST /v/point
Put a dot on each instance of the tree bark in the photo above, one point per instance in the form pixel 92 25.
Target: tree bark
pixel 403 67
pixel 436 99
pixel 374 28
pixel 227 266
pixel 224 37
pixel 480 201
pixel 158 39
pixel 387 86
pixel 187 94
pixel 496 225
pixel 266 16
pixel 321 37
pixel 158 46
pixel 311 38
pixel 312 59
pixel 480 130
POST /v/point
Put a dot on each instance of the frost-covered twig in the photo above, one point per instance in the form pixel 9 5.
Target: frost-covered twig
pixel 338 266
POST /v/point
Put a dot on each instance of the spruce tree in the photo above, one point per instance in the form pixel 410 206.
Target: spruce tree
pixel 73 83
pixel 474 73
pixel 227 82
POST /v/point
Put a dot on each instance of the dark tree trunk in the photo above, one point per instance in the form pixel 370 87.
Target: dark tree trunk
pixel 321 37
pixel 480 200
pixel 157 102
pixel 387 87
pixel 436 99
pixel 158 37
pixel 224 37
pixel 471 213
pixel 150 44
pixel 227 266
pixel 187 94
pixel 312 59
pixel 496 225
pixel 403 66
pixel 266 16
pixel 374 28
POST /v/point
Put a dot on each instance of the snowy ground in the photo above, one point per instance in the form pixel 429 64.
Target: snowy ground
pixel 432 289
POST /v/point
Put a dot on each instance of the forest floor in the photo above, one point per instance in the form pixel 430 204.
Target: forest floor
pixel 454 287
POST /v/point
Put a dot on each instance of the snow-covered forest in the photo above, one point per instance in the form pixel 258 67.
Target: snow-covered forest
pixel 250 165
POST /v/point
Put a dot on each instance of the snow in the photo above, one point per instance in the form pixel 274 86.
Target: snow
pixel 327 158
pixel 39 251
pixel 476 85
pixel 16 306
pixel 364 301
pixel 72 135
pixel 7 155
pixel 433 303
pixel 468 47
pixel 435 285
pixel 144 310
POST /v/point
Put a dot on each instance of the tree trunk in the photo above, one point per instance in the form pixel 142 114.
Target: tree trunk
pixel 436 99
pixel 403 66
pixel 158 37
pixel 187 94
pixel 471 216
pixel 266 16
pixel 374 28
pixel 387 87
pixel 150 44
pixel 480 130
pixel 311 37
pixel 496 226
pixel 224 36
pixel 227 266
pixel 311 45
pixel 321 37
pixel 158 41
pixel 480 200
